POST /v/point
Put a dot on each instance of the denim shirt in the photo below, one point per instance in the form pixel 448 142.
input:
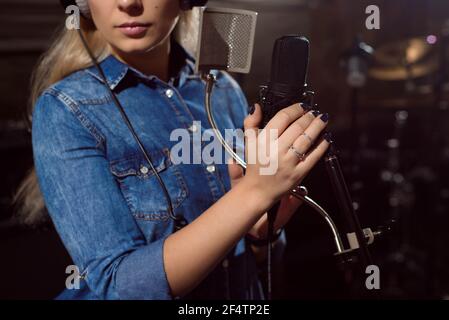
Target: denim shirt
pixel 105 202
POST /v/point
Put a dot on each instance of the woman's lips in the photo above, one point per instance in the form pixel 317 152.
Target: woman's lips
pixel 134 29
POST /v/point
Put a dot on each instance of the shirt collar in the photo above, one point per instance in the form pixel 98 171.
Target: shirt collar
pixel 182 66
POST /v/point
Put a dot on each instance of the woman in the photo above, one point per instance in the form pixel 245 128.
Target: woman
pixel 105 202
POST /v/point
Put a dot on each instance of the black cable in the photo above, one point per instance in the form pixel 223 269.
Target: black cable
pixel 271 217
pixel 180 222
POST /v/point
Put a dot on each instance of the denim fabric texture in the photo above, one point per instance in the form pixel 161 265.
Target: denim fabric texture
pixel 105 201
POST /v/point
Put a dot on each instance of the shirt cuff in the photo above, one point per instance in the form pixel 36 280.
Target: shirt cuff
pixel 141 274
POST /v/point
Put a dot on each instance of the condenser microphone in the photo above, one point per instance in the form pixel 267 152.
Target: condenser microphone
pixel 225 40
pixel 288 77
pixel 287 85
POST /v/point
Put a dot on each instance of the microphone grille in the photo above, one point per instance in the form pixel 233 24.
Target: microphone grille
pixel 226 39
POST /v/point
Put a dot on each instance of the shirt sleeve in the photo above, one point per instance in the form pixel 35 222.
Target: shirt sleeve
pixel 87 207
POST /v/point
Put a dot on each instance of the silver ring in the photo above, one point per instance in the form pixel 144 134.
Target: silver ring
pixel 308 137
pixel 301 156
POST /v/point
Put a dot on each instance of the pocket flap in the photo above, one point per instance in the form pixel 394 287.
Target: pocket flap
pixel 137 165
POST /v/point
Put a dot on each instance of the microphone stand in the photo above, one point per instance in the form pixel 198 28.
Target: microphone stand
pixel 362 237
pixel 345 203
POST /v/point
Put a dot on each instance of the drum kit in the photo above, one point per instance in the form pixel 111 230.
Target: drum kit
pixel 400 157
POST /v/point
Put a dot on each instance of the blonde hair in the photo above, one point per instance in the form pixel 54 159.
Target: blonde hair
pixel 65 56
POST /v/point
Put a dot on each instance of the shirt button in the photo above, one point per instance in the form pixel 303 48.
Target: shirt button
pixel 193 128
pixel 225 263
pixel 210 168
pixel 169 93
pixel 144 170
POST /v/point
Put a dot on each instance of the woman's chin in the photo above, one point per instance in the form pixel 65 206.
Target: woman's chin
pixel 136 46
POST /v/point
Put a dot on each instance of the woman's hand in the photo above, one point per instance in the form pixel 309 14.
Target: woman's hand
pixel 289 205
pixel 188 259
pixel 286 144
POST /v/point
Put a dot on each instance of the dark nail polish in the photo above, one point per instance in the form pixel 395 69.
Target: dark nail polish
pixel 306 106
pixel 251 109
pixel 325 117
pixel 328 137
pixel 316 113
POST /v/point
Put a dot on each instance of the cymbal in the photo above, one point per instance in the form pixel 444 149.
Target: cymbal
pixel 408 59
pixel 407 51
pixel 403 73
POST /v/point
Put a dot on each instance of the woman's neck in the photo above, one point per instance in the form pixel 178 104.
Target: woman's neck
pixel 154 62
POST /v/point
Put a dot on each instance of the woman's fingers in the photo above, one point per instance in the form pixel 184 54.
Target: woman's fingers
pixel 287 208
pixel 251 127
pixel 307 139
pixel 252 121
pixel 270 167
pixel 312 158
pixel 296 129
pixel 284 118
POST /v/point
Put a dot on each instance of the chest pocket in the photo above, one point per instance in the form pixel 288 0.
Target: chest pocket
pixel 141 189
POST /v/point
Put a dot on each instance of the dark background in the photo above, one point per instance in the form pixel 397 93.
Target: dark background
pixel 408 184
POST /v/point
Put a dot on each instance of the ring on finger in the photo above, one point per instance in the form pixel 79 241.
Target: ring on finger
pixel 301 156
pixel 308 137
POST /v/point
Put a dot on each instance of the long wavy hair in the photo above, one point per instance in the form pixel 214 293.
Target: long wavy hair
pixel 66 55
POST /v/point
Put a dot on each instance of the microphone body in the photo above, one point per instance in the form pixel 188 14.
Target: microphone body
pixel 288 77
